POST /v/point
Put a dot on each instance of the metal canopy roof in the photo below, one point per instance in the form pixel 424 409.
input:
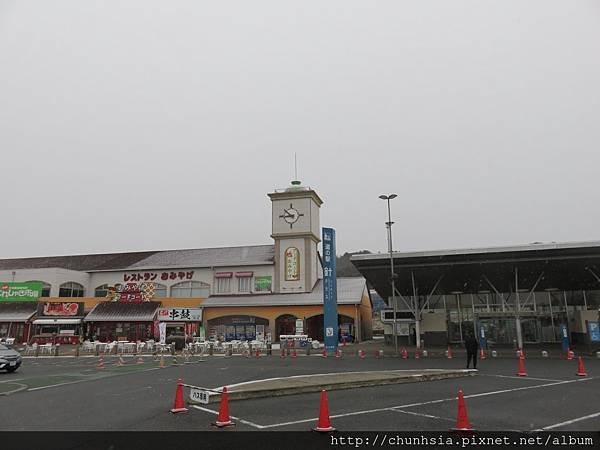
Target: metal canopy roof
pixel 567 266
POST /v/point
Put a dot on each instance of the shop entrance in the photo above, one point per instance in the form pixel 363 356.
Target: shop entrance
pixel 503 331
pixel 238 328
pixel 315 328
pixel 285 325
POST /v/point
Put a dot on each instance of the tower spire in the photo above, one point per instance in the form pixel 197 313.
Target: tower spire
pixel 295 182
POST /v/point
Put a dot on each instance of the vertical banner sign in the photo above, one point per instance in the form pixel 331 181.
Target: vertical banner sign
pixel 564 337
pixel 594 331
pixel 482 340
pixel 330 319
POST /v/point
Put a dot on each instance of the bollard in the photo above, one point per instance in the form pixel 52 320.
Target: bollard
pixel 96 350
pixel 308 347
pixel 115 349
pixel 37 350
pixel 56 349
pixel 494 353
pixel 211 349
pixel 269 349
pixel 173 348
pixel 544 353
pixel 77 347
pixel 424 353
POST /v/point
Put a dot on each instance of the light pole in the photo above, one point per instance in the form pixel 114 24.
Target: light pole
pixel 389 224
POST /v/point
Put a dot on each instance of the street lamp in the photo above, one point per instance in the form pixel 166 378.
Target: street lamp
pixel 389 224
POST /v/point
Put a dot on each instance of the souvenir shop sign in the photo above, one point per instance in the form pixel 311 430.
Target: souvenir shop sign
pixel 292 264
pixel 263 283
pixel 62 309
pixel 154 276
pixel 131 292
pixel 20 292
pixel 180 314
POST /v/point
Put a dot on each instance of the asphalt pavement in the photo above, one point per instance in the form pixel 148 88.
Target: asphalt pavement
pixel 72 394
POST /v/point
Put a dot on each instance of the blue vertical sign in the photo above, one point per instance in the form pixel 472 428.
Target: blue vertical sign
pixel 330 314
pixel 564 337
pixel 482 340
pixel 594 331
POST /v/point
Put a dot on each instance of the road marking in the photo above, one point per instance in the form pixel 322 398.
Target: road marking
pixel 429 416
pixel 569 422
pixel 410 405
pixel 517 378
pixel 246 422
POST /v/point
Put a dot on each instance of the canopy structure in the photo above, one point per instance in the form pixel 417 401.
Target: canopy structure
pixel 123 312
pixel 569 266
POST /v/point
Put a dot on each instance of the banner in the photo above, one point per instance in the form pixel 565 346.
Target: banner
pixel 162 329
pixel 330 314
pixel 62 309
pixel 180 314
pixel 20 292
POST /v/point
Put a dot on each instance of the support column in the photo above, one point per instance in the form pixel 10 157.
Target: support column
pixel 551 317
pixel 473 308
pixel 518 311
pixel 417 312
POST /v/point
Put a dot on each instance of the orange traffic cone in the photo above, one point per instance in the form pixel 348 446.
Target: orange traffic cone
pixel 324 424
pixel 140 360
pixel 223 419
pixel 377 354
pixel 100 363
pixel 162 362
pixel 294 354
pixel 462 419
pixel 449 353
pixel 178 404
pixel 570 354
pixel 417 354
pixel 324 354
pixel 361 354
pixel 404 353
pixel 338 353
pixel 580 369
pixel 481 354
pixel 521 371
pixel 258 353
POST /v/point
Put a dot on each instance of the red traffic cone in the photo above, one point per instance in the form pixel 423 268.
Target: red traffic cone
pixel 580 369
pixel 521 371
pixel 223 419
pixel 343 342
pixel 178 404
pixel 258 353
pixel 377 354
pixel 417 354
pixel 100 363
pixel 570 354
pixel 324 354
pixel 282 354
pixel 481 354
pixel 404 353
pixel 324 424
pixel 462 419
pixel 449 353
pixel 294 354
pixel 361 354
pixel 338 353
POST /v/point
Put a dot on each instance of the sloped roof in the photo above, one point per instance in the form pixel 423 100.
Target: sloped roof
pixel 17 311
pixel 349 292
pixel 123 312
pixel 203 257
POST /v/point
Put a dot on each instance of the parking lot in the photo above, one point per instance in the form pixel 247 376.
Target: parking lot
pixel 73 394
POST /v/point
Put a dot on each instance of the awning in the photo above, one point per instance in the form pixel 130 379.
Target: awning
pixel 57 321
pixel 17 311
pixel 123 312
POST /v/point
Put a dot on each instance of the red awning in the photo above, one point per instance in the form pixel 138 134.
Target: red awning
pixel 244 274
pixel 223 274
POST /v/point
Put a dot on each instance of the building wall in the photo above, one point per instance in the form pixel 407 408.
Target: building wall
pixel 53 276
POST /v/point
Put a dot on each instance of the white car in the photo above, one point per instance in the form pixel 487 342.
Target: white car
pixel 10 359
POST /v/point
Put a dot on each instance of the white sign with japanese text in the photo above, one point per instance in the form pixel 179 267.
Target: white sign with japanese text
pixel 199 395
pixel 180 314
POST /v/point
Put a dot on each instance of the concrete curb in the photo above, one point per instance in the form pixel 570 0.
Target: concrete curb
pixel 334 386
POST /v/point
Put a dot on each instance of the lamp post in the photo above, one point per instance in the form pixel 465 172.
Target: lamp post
pixel 389 224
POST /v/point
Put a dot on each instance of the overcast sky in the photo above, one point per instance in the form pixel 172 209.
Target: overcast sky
pixel 145 125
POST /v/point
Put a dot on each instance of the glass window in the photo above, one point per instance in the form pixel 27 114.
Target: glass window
pixel 223 285
pixel 187 289
pixel 101 291
pixel 71 289
pixel 244 284
pixel 160 290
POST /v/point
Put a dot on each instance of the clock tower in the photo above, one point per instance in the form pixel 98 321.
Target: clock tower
pixel 296 231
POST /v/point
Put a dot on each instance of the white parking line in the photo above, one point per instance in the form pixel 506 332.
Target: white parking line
pixel 569 422
pixel 428 416
pixel 400 407
pixel 516 377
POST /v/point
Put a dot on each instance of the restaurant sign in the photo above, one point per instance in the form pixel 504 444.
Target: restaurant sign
pixel 20 292
pixel 263 283
pixel 180 314
pixel 62 309
pixel 131 292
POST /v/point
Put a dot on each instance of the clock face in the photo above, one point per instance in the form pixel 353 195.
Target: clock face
pixel 291 215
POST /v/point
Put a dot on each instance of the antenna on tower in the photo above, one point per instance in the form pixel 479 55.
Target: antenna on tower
pixel 296 182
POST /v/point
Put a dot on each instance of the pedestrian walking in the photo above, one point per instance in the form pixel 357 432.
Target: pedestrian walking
pixel 471 345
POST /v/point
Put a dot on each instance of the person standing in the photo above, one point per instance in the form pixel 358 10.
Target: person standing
pixel 471 345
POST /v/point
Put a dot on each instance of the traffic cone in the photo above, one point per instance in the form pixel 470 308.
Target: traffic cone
pixel 449 353
pixel 324 354
pixel 344 343
pixel 282 354
pixel 162 362
pixel 178 404
pixel 570 354
pixel 338 353
pixel 417 354
pixel 521 371
pixel 324 424
pixel 361 354
pixel 462 419
pixel 223 419
pixel 140 360
pixel 258 352
pixel 404 353
pixel 100 363
pixel 580 369
pixel 481 354
pixel 294 354
pixel 377 354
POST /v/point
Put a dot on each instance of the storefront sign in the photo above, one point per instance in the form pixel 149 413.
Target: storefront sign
pixel 292 264
pixel 330 316
pixel 180 314
pixel 263 284
pixel 131 292
pixel 20 292
pixel 63 309
pixel 594 331
pixel 162 329
pixel 152 276
pixel 299 326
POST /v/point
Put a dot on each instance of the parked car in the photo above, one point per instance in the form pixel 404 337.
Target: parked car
pixel 10 359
